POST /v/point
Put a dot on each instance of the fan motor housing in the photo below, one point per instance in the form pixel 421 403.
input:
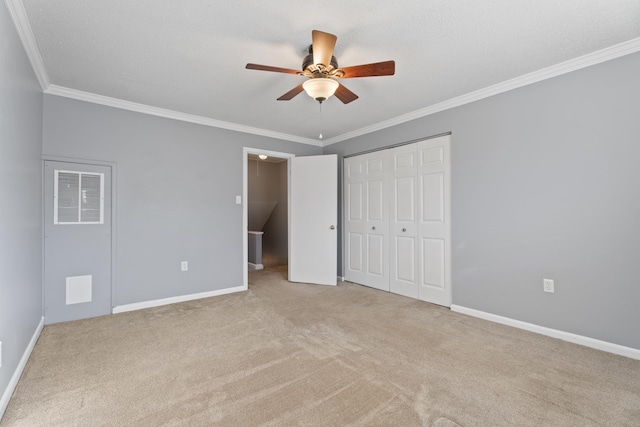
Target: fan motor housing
pixel 307 62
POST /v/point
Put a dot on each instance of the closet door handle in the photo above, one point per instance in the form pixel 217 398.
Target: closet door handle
pixel 373 228
pixel 333 227
pixel 404 229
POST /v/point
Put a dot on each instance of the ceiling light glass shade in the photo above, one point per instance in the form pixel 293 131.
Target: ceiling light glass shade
pixel 262 156
pixel 320 88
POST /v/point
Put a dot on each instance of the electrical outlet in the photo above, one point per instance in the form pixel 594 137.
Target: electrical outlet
pixel 547 285
pixel 184 266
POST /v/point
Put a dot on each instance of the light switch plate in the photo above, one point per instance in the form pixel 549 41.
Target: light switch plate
pixel 238 200
pixel 548 285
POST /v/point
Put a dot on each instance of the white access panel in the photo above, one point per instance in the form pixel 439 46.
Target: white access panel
pixel 78 289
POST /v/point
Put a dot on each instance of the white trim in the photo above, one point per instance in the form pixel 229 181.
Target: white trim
pixel 23 27
pixel 171 114
pixel 172 300
pixel 253 266
pixel 606 54
pixel 632 353
pixel 8 392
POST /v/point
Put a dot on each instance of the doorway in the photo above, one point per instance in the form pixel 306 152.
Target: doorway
pixel 265 209
pixel 312 216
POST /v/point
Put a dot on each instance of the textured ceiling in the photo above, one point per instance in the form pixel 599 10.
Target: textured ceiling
pixel 189 56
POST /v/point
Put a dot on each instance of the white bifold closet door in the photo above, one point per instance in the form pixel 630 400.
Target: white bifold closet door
pixel 404 231
pixel 397 220
pixel 434 220
pixel 366 220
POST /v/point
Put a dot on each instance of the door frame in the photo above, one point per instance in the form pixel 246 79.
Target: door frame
pixel 245 204
pixel 114 227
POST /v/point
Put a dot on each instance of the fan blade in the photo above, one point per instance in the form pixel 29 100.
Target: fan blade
pixel 323 44
pixel 293 92
pixel 386 68
pixel 269 68
pixel 345 95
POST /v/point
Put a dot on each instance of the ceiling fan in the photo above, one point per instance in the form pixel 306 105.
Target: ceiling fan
pixel 321 67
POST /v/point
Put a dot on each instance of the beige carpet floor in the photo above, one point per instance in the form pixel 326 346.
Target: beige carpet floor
pixel 295 354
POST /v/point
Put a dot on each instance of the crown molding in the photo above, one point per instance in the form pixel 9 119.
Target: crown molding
pixel 23 27
pixel 597 57
pixel 171 114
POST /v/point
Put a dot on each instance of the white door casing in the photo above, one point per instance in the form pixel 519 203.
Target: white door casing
pixel 313 220
pixel 366 220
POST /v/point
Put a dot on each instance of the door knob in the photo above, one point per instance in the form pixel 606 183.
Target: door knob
pixel 404 229
pixel 373 228
pixel 332 227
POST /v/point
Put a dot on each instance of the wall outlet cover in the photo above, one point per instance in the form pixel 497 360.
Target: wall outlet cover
pixel 548 285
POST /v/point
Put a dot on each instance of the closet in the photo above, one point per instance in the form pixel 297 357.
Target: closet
pixel 397 223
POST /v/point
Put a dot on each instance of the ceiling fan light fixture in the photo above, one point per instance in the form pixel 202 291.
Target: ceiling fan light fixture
pixel 321 88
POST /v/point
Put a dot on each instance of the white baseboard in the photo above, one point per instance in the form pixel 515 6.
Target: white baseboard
pixel 173 300
pixel 340 278
pixel 621 350
pixel 253 266
pixel 8 392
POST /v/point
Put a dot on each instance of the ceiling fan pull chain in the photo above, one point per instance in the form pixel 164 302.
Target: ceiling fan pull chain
pixel 321 124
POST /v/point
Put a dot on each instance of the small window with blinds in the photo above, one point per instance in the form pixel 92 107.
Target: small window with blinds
pixel 78 197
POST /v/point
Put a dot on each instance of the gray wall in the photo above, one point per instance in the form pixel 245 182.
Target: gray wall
pixel 545 184
pixel 20 196
pixel 176 188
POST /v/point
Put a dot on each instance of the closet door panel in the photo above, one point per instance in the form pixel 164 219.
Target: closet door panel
pixel 375 201
pixel 375 255
pixel 403 193
pixel 354 175
pixel 366 220
pixel 433 262
pixel 434 228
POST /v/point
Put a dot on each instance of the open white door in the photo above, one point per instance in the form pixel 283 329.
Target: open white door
pixel 313 241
